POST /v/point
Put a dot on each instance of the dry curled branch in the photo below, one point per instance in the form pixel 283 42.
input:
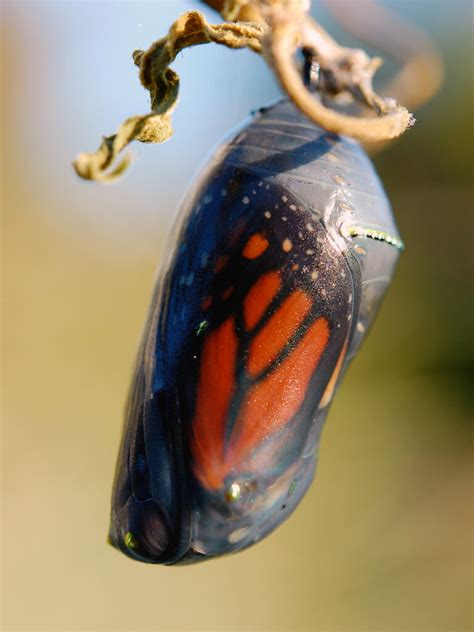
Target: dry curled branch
pixel 162 82
pixel 283 26
pixel 347 71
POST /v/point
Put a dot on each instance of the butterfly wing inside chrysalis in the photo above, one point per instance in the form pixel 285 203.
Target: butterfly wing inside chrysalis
pixel 283 251
pixel 275 313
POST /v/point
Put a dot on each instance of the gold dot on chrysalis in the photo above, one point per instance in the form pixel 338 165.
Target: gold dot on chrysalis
pixel 339 180
pixel 233 493
pixel 287 245
pixel 238 534
pixel 130 541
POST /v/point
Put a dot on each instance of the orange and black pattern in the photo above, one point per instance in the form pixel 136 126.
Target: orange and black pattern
pixel 275 318
pixel 283 252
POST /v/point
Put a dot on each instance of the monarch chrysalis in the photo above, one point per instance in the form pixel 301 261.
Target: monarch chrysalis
pixel 284 249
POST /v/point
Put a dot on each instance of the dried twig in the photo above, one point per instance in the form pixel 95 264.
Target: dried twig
pixel 342 71
pixel 190 29
pixel 283 26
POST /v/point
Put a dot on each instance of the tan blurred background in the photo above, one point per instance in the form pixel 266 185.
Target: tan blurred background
pixel 382 541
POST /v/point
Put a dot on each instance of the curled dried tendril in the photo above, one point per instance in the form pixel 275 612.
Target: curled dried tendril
pixel 280 28
pixel 162 82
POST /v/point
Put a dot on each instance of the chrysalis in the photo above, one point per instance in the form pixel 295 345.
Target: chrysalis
pixel 283 251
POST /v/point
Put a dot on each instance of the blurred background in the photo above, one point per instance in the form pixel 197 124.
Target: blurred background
pixel 383 539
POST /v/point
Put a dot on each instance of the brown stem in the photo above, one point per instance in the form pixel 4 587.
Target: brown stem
pixel 282 27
